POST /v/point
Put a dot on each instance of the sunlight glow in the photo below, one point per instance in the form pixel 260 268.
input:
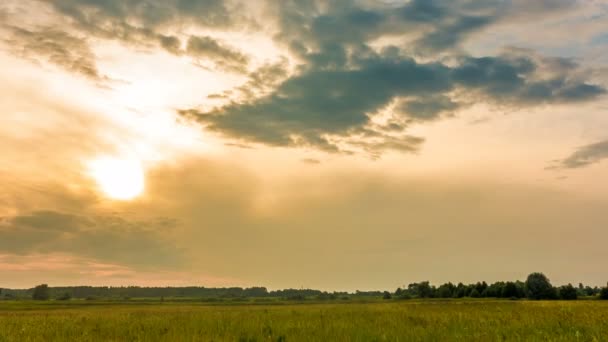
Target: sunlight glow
pixel 120 179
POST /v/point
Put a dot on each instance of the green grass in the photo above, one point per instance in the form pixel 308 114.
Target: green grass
pixel 453 320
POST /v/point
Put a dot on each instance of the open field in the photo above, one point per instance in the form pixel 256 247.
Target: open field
pixel 430 320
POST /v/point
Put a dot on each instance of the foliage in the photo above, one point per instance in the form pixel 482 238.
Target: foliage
pixel 567 292
pixel 64 296
pixel 41 292
pixel 538 286
pixel 604 293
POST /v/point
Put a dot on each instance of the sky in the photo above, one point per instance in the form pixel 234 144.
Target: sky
pixel 329 144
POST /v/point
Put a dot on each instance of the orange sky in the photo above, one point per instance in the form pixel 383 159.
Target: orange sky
pixel 335 145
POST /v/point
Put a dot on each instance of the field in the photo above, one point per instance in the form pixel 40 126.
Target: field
pixel 430 320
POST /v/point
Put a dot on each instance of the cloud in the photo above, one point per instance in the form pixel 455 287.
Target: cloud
pixel 119 18
pixel 348 74
pixel 586 155
pixel 323 107
pixel 224 57
pixel 52 45
pixel 137 23
pixel 106 237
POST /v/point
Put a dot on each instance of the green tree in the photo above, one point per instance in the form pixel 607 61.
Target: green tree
pixel 538 286
pixel 604 293
pixel 567 292
pixel 65 296
pixel 446 290
pixel 510 290
pixel 41 292
pixel 386 295
pixel 421 290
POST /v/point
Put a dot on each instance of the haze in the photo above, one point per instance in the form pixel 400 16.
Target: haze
pixel 336 145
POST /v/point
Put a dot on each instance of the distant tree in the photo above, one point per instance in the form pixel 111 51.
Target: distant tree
pixel 475 293
pixel 481 287
pixel 538 286
pixel 398 292
pixel 446 290
pixel 461 290
pixel 386 295
pixel 567 292
pixel 421 290
pixel 494 290
pixel 604 293
pixel 510 290
pixel 65 296
pixel 41 292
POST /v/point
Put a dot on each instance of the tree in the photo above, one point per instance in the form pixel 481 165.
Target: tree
pixel 421 290
pixel 604 293
pixel 386 295
pixel 398 292
pixel 538 286
pixel 446 290
pixel 568 292
pixel 509 290
pixel 65 296
pixel 41 292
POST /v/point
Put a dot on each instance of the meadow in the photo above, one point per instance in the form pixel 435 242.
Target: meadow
pixel 409 320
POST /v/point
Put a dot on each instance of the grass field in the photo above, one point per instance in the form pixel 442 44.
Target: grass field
pixel 462 320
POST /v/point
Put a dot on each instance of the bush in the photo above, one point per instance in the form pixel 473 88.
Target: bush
pixel 386 295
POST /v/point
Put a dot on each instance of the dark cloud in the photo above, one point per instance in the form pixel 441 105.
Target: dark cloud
pixel 223 56
pixel 586 155
pixel 345 77
pixel 119 17
pixel 428 107
pixel 67 51
pixel 144 23
pixel 310 108
pixel 107 237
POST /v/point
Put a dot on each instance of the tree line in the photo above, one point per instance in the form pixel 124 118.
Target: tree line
pixel 536 286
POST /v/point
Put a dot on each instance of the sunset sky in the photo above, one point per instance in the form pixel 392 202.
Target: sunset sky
pixel 330 144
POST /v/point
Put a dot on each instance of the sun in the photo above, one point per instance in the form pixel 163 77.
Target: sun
pixel 120 179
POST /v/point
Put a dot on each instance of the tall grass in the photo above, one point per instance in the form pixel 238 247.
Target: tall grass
pixel 391 321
